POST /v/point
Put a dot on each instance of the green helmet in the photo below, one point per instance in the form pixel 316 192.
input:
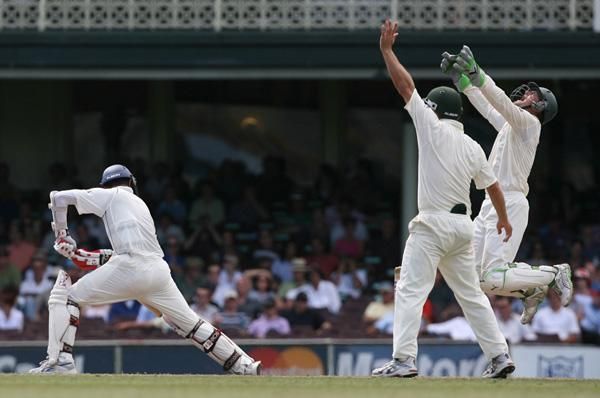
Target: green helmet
pixel 550 106
pixel 547 105
pixel 445 102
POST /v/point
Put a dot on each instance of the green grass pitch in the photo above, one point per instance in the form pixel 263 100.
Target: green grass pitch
pixel 171 386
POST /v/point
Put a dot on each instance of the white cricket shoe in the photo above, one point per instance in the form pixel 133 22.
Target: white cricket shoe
pixel 531 304
pixel 252 369
pixel 397 368
pixel 499 367
pixel 62 366
pixel 563 284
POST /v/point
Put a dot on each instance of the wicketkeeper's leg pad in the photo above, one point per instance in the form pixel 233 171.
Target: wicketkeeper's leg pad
pixel 63 318
pixel 517 279
pixel 218 346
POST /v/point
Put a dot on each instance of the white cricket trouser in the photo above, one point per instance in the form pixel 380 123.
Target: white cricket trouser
pixel 441 240
pixel 146 279
pixel 490 250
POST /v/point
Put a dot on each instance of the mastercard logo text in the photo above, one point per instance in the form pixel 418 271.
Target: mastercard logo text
pixel 293 361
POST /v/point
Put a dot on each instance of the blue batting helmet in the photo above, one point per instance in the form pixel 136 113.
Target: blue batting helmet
pixel 118 172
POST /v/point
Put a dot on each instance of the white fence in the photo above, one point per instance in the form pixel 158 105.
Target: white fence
pixel 220 15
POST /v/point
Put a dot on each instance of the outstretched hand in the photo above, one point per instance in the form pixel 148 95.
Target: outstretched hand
pixel 466 64
pixel 460 80
pixel 389 31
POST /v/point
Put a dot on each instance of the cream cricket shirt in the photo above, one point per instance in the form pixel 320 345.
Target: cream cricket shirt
pixel 519 131
pixel 126 217
pixel 448 160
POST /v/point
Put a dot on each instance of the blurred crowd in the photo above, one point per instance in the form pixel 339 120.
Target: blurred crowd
pixel 263 256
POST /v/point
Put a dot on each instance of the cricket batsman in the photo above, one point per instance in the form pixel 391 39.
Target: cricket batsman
pixel 518 120
pixel 133 270
pixel 440 236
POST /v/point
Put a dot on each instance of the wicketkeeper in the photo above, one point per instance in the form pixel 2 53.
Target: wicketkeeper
pixel 518 120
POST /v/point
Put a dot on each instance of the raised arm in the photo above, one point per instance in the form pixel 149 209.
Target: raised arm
pixel 485 109
pixel 517 117
pixel 497 197
pixel 400 77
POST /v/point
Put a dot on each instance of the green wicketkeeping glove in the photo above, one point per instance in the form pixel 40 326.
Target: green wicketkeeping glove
pixel 460 80
pixel 465 63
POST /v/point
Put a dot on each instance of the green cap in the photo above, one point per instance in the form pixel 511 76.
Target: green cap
pixel 445 102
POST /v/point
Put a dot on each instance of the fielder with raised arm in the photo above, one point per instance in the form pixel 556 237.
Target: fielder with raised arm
pixel 133 270
pixel 519 121
pixel 441 234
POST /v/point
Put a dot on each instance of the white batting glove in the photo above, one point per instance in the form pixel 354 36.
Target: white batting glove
pixel 90 260
pixel 64 244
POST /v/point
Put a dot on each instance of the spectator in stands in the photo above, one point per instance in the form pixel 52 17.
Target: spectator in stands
pixel 299 217
pixel 172 206
pixel 211 280
pixel 327 183
pixel 556 322
pixel 301 315
pixel 386 248
pixel 299 270
pixel 576 259
pixel 227 243
pixel 335 216
pixel 323 261
pixel 384 304
pixel 207 209
pixel 191 277
pixel 347 245
pixel 282 267
pixel 9 273
pixel 96 230
pixel 124 311
pixel 456 327
pixel 203 306
pixel 269 321
pixel 441 296
pixel 509 322
pixel 204 241
pixel 321 293
pixel 247 211
pixel 157 181
pixel 230 273
pixel 146 319
pixel 10 317
pixel 261 289
pixel 20 250
pixel 582 295
pixel 35 285
pixel 84 239
pixel 96 312
pixel 167 229
pixel 590 324
pixel 537 255
pixel 174 256
pixel 246 304
pixel 350 279
pixel 231 318
pixel 265 248
pixel 385 324
pixel 319 229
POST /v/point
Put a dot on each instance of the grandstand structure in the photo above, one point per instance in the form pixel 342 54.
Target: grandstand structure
pixel 274 15
pixel 194 91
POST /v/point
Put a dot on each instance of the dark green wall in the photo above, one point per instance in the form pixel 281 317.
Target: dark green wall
pixel 562 53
